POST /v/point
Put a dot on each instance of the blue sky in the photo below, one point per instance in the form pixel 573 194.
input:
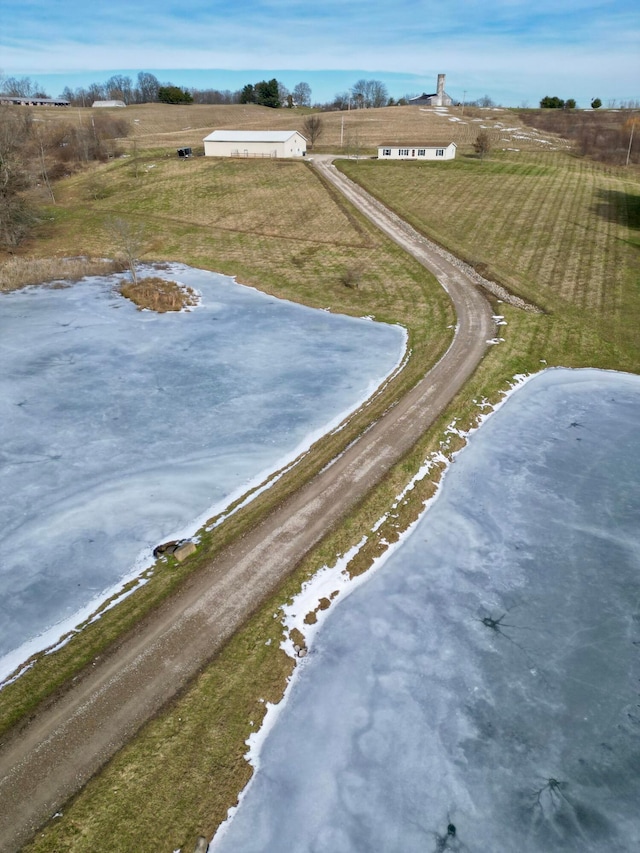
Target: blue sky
pixel 516 52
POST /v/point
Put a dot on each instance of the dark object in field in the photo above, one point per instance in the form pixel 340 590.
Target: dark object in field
pixel 185 152
pixel 180 549
pixel 166 548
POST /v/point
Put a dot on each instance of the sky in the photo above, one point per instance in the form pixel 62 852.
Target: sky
pixel 516 52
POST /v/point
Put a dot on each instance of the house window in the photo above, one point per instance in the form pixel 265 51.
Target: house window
pixel 404 152
pixel 439 152
pixel 386 152
pixel 421 152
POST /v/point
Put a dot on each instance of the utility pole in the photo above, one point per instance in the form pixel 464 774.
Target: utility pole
pixel 464 98
pixel 633 124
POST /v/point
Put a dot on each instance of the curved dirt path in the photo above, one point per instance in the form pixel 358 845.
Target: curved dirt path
pixel 55 753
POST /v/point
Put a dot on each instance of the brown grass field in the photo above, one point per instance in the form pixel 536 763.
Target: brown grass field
pixel 559 230
pixel 160 126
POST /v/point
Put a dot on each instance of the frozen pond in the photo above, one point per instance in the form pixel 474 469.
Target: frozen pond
pixel 120 429
pixel 481 691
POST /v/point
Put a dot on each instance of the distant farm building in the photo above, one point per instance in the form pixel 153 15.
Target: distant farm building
pixel 436 99
pixel 108 104
pixel 417 152
pixel 255 143
pixel 33 102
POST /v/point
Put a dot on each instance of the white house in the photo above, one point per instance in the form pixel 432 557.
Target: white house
pixel 255 143
pixel 417 152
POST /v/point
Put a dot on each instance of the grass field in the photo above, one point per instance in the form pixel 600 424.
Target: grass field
pixel 363 130
pixel 159 126
pixel 560 231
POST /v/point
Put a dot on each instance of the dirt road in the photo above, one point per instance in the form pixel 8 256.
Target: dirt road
pixel 66 743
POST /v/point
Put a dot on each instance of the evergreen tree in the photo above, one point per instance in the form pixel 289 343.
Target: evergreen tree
pixel 268 93
pixel 174 95
pixel 248 94
pixel 551 103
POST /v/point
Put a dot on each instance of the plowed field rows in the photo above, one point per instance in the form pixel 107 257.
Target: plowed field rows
pixel 556 230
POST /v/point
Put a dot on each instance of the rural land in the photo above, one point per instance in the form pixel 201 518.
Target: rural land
pixel 538 226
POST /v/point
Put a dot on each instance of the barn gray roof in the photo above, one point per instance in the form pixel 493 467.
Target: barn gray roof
pixel 250 135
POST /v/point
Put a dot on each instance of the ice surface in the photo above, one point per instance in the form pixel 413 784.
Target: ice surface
pixel 487 675
pixel 120 429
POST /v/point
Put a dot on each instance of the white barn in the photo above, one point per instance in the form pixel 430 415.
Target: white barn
pixel 255 143
pixel 417 152
pixel 108 104
pixel 435 99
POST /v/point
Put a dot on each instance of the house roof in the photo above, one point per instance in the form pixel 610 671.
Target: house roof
pixel 425 97
pixel 55 102
pixel 414 145
pixel 250 135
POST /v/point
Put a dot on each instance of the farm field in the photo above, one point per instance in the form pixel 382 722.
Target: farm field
pixel 560 231
pixel 160 126
pixel 352 131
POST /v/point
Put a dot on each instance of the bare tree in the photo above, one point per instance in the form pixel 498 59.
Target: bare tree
pixel 378 93
pixel 312 127
pixel 16 215
pixel 482 145
pixel 147 88
pixel 283 94
pixel 43 164
pixel 359 94
pixel 120 88
pixel 341 101
pixel 20 87
pixel 485 101
pixel 129 237
pixel 96 92
pixel 302 94
pixel 369 93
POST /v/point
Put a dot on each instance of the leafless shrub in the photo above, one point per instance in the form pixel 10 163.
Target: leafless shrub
pixel 16 214
pixel 351 277
pixel 17 218
pixel 482 145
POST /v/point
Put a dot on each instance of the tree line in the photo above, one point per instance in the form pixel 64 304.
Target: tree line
pixel 364 94
pixel 553 102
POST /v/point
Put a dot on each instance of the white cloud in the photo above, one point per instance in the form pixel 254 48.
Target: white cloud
pixel 509 48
